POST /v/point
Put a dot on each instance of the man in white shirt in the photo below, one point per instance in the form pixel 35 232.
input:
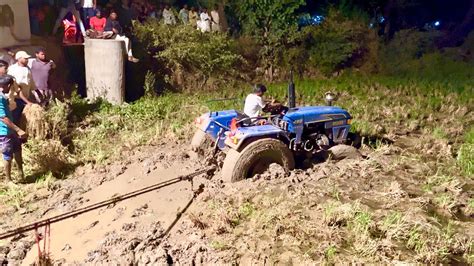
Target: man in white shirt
pixel 254 102
pixel 168 16
pixel 88 11
pixel 24 79
pixel 205 23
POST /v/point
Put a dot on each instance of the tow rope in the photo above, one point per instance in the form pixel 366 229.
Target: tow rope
pixel 47 222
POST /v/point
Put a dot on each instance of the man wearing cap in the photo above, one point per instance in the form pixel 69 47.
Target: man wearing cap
pixel 23 77
pixel 11 135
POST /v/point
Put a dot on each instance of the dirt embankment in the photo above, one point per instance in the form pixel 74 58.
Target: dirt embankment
pixel 394 204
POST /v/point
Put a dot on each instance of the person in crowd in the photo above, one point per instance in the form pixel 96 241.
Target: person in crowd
pixel 40 69
pixel 159 12
pixel 215 25
pixel 35 20
pixel 152 12
pixel 134 10
pixel 125 15
pixel 97 23
pixel 66 7
pixel 7 55
pixel 205 21
pixel 113 26
pixel 168 16
pixel 88 10
pixel 11 136
pixel 184 15
pixel 193 17
pixel 24 79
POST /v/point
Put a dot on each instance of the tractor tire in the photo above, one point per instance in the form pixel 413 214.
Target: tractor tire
pixel 255 159
pixel 201 143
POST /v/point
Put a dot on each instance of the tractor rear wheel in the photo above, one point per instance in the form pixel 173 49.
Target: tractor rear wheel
pixel 201 143
pixel 255 159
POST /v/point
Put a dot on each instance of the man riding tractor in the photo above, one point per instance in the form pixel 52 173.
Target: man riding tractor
pixel 251 142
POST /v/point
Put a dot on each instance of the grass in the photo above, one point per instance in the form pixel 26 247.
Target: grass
pixel 395 104
pixel 465 156
pixel 218 245
pixel 12 195
pixel 330 253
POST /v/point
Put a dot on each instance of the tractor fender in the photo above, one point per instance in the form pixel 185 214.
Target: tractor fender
pixel 251 134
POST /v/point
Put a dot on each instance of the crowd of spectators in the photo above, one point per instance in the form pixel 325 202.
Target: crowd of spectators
pixel 113 19
pixel 44 12
pixel 24 81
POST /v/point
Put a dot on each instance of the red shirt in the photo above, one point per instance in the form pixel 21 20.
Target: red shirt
pixel 97 24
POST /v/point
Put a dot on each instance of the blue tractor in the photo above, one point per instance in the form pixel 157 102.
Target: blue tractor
pixel 251 144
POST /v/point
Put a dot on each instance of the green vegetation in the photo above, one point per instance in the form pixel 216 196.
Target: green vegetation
pixel 187 59
pixel 395 103
pixel 12 195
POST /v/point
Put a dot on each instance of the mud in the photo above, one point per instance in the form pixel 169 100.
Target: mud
pixel 379 204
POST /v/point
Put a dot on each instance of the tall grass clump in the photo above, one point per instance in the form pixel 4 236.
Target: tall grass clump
pixel 465 156
pixel 47 152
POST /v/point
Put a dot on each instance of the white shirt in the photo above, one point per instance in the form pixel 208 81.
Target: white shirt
pixel 168 17
pixel 205 23
pixel 23 78
pixel 253 105
pixel 88 4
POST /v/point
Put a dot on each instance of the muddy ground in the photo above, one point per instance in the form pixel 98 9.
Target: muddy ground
pixel 392 204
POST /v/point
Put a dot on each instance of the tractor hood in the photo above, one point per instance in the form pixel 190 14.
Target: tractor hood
pixel 313 114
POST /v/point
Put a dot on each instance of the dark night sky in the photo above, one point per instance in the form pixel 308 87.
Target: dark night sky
pixel 414 12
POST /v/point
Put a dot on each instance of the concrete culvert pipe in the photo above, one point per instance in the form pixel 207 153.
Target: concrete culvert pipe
pixel 105 69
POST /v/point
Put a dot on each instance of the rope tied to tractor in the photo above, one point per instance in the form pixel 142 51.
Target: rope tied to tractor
pixel 46 223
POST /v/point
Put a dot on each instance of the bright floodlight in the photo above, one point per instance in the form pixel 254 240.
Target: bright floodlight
pixel 437 23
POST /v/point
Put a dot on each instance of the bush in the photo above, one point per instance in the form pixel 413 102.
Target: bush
pixel 46 152
pixel 336 43
pixel 43 156
pixel 187 58
pixel 398 56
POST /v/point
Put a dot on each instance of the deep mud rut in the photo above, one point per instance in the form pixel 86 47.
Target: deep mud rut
pixel 371 209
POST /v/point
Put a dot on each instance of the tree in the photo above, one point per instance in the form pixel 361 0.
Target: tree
pixel 273 24
pixel 457 35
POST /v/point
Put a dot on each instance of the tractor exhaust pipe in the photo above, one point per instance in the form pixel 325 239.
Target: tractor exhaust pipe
pixel 291 92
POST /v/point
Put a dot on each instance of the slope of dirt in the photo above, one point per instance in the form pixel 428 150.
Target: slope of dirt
pixel 392 204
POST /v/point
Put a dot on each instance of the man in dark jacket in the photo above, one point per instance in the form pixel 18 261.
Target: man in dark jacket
pixel 113 25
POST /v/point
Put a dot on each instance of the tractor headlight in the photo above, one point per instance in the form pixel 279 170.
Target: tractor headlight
pixel 329 97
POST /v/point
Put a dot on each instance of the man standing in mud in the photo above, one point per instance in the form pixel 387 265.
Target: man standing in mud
pixel 11 135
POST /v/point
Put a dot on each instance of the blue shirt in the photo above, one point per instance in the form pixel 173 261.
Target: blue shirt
pixel 4 112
